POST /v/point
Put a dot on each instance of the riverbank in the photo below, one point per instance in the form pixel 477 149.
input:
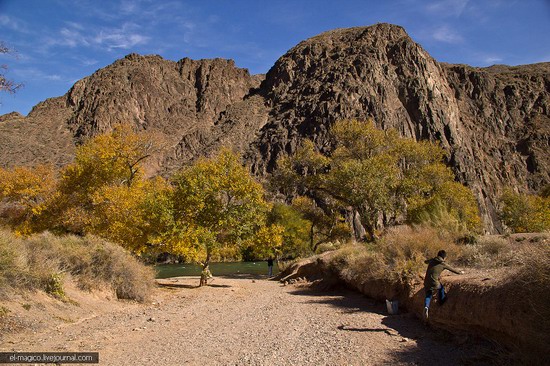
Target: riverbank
pixel 244 321
pixel 502 304
pixel 217 269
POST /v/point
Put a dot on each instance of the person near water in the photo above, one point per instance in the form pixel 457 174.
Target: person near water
pixel 270 266
pixel 432 281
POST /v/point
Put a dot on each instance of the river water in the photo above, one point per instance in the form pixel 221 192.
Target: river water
pixel 217 269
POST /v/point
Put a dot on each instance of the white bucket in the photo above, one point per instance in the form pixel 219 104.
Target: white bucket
pixel 392 306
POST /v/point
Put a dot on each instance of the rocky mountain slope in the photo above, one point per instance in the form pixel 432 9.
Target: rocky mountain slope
pixel 494 122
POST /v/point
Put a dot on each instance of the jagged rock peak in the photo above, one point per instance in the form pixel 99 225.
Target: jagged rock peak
pixel 347 54
pixel 152 92
pixel 376 32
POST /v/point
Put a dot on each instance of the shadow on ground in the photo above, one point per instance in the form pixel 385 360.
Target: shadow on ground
pixel 244 276
pixel 176 285
pixel 431 346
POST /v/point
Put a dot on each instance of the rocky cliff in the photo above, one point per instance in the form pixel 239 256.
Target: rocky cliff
pixel 494 122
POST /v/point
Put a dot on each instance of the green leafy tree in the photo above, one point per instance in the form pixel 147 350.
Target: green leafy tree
pixel 378 174
pixel 295 237
pixel 216 204
pixel 525 212
pixel 323 227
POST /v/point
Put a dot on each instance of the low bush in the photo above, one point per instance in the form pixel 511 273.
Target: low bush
pixel 491 251
pixel 400 254
pixel 43 261
pixel 528 286
pixel 525 212
pixel 405 249
pixel 326 247
pixel 355 261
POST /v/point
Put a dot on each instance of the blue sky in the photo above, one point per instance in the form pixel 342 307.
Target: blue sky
pixel 61 41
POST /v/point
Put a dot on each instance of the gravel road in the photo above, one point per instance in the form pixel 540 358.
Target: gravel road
pixel 246 321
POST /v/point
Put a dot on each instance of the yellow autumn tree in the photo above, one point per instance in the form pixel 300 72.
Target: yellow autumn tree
pixel 136 216
pixel 267 242
pixel 217 204
pixel 104 192
pixel 295 234
pixel 24 192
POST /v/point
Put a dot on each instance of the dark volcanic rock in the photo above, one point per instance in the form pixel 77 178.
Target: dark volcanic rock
pixel 174 99
pixel 155 93
pixel 494 122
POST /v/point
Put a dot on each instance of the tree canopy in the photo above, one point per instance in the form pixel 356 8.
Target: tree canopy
pixel 380 175
pixel 217 204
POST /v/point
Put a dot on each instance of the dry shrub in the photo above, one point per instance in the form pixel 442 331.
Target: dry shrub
pixel 113 265
pixel 39 262
pixel 534 268
pixel 12 264
pixel 358 262
pixel 329 246
pixel 489 251
pixel 405 249
pixel 399 256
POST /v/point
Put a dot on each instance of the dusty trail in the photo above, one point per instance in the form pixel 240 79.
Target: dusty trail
pixel 242 321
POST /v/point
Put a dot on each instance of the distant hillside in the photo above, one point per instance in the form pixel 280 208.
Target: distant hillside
pixel 494 122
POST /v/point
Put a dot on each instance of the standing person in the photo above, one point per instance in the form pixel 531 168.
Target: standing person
pixel 270 266
pixel 432 280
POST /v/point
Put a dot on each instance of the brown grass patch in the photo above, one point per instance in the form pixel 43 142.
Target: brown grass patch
pixel 405 249
pixel 43 261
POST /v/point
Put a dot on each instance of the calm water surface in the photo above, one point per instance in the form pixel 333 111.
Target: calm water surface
pixel 217 269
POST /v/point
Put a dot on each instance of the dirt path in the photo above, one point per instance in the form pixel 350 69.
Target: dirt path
pixel 251 322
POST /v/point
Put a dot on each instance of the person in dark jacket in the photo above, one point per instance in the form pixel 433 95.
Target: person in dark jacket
pixel 270 266
pixel 432 279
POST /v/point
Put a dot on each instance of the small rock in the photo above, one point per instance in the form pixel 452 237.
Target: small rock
pixel 151 319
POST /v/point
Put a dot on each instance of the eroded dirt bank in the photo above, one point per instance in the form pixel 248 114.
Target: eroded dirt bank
pixel 481 302
pixel 245 321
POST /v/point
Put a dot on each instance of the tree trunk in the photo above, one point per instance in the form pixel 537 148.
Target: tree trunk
pixel 368 224
pixel 357 226
pixel 205 274
pixel 311 235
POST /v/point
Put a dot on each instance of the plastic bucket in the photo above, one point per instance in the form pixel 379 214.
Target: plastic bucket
pixel 392 306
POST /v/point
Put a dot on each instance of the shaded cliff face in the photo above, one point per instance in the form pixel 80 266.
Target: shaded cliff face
pixel 494 122
pixel 173 99
pixel 156 93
